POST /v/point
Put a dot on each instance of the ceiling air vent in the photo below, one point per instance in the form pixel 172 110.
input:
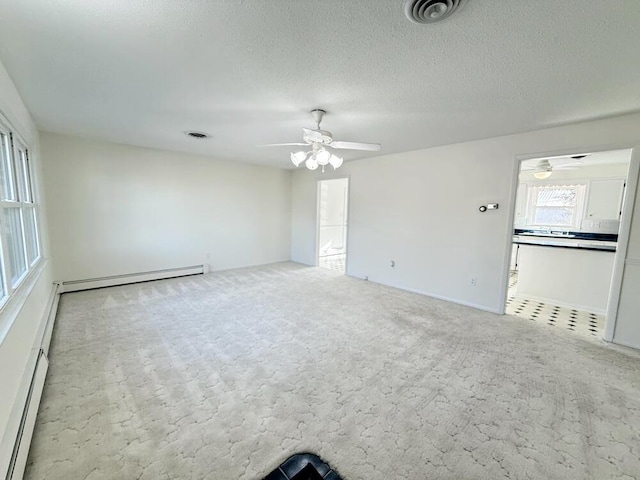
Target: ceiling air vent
pixel 430 11
pixel 199 135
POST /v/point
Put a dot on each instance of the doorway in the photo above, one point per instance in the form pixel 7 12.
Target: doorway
pixel 333 207
pixel 567 219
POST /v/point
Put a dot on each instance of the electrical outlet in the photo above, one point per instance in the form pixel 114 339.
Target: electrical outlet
pixel 473 281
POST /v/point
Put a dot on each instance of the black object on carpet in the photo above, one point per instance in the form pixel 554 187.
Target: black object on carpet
pixel 303 466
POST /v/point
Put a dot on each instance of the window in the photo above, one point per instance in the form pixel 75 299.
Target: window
pixel 19 242
pixel 557 206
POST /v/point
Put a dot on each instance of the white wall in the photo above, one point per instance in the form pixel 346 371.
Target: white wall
pixel 20 319
pixel 421 210
pixel 117 209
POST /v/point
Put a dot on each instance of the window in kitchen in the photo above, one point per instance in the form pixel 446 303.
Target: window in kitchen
pixel 558 206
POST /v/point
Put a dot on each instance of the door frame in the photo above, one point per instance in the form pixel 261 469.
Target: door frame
pixel 623 233
pixel 348 213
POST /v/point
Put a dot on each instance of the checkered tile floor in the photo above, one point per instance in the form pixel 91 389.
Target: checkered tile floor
pixel 580 322
pixel 333 262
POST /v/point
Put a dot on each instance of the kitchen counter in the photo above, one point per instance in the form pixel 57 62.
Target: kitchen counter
pixel 564 242
pixel 567 239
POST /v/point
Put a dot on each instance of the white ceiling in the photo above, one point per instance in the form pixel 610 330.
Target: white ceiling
pixel 248 71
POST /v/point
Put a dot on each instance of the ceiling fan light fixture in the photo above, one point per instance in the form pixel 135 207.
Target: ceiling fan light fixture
pixel 335 161
pixel 298 157
pixel 543 170
pixel 542 175
pixel 323 157
pixel 312 163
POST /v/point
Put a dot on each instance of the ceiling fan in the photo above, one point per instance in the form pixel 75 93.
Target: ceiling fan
pixel 545 167
pixel 319 140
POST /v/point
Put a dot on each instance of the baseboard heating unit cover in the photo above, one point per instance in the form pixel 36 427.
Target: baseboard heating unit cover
pixel 112 281
pixel 303 466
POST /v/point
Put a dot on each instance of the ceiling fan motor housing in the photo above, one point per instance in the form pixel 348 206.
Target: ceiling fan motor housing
pixel 318 136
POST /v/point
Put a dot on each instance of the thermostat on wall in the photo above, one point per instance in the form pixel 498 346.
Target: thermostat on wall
pixel 490 206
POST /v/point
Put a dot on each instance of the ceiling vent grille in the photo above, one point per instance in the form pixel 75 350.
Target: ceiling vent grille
pixel 199 135
pixel 430 11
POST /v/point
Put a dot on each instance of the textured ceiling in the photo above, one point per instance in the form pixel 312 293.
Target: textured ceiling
pixel 143 71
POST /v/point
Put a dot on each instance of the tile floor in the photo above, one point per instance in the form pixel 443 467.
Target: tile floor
pixel 580 322
pixel 334 262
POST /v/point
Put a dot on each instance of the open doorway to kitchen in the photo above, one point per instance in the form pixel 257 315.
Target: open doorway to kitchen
pixel 566 226
pixel 333 198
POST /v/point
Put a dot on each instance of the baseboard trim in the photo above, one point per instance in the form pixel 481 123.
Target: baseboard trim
pixel 436 296
pixel 635 346
pixel 127 278
pixel 454 300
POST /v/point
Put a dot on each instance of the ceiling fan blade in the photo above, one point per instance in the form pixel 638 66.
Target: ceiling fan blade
pixel 371 147
pixel 312 134
pixel 567 162
pixel 284 144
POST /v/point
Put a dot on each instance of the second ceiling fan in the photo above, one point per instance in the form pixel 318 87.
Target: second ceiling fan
pixel 545 167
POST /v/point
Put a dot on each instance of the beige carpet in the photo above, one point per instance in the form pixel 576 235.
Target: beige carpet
pixel 223 376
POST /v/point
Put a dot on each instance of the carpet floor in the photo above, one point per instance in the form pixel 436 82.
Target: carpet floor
pixel 223 376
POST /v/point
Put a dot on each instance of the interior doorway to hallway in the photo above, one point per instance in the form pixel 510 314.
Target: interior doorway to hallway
pixel 333 198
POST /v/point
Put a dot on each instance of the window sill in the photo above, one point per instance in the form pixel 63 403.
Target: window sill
pixel 13 305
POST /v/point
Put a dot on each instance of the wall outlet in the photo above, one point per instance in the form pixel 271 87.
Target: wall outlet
pixel 473 281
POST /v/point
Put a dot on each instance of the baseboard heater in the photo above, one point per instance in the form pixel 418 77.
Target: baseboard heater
pixel 28 422
pixel 114 280
pixel 26 407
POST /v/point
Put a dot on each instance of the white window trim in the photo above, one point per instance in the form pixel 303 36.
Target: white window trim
pixel 31 269
pixel 580 209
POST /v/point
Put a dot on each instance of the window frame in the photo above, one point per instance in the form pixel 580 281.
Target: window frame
pixel 579 209
pixel 24 197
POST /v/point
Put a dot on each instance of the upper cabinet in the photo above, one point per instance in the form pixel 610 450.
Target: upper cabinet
pixel 605 199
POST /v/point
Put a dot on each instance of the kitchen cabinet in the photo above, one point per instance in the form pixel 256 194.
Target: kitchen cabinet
pixel 570 277
pixel 605 199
